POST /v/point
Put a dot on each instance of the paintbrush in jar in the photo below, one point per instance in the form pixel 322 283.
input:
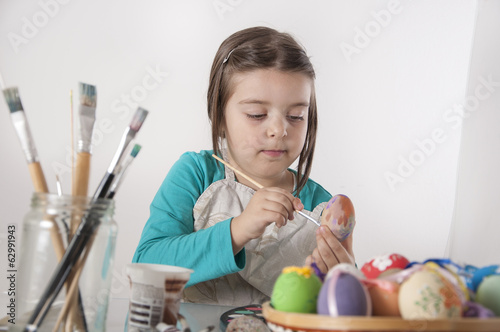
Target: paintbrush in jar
pixel 83 238
pixel 122 170
pixel 22 127
pixel 86 117
pixel 129 134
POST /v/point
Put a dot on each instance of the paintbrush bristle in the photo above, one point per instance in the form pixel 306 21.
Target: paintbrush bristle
pixel 88 94
pixel 13 100
pixel 138 120
pixel 135 150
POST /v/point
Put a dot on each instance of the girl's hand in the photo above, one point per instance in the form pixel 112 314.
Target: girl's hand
pixel 267 205
pixel 330 251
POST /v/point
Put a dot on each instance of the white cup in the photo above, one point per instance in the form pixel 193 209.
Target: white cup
pixel 155 295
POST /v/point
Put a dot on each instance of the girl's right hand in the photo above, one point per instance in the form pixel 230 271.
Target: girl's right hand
pixel 267 205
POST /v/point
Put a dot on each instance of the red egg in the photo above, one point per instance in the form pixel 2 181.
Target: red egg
pixel 384 295
pixel 384 265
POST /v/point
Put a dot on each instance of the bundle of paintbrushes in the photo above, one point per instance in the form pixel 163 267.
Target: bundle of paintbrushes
pixel 83 228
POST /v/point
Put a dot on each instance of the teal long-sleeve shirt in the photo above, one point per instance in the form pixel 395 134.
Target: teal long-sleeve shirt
pixel 169 237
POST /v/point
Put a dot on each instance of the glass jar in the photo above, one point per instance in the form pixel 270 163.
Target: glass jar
pixel 46 232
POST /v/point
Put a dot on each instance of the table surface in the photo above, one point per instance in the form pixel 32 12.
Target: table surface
pixel 198 316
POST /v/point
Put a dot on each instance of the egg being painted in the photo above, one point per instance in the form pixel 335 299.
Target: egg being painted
pixel 339 216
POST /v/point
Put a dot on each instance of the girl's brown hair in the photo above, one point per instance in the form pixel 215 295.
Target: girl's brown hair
pixel 260 48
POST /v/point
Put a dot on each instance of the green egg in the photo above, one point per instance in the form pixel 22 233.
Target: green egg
pixel 294 292
pixel 488 293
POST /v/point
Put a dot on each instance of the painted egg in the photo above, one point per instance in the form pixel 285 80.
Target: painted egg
pixel 474 309
pixel 453 278
pixel 346 267
pixel 482 273
pixel 339 216
pixel 384 295
pixel 488 293
pixel 428 295
pixel 296 290
pixel 383 265
pixel 343 294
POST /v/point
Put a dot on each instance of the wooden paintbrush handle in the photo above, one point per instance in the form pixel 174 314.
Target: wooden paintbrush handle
pixel 38 178
pixel 72 312
pixel 82 173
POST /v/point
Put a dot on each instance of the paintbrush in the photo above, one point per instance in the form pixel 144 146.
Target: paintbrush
pixel 83 236
pixel 114 187
pixel 21 125
pixel 258 185
pixel 86 116
pixel 129 134
pixel 80 179
pixel 121 171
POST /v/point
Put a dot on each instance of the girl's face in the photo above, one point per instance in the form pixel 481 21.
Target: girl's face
pixel 266 123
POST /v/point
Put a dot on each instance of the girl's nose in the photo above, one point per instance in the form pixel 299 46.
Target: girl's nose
pixel 277 127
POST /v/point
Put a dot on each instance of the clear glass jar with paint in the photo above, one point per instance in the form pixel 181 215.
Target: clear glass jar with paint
pixel 47 229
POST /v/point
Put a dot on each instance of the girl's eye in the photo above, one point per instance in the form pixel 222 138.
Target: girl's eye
pixel 256 116
pixel 296 118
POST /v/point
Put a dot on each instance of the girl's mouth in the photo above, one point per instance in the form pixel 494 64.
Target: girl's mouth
pixel 273 153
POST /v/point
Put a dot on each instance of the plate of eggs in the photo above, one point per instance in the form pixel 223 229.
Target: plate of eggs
pixel 388 293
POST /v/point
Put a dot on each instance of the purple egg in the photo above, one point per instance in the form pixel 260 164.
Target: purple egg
pixel 343 294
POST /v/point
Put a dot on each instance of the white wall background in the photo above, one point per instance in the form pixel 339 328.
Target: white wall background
pixel 476 228
pixel 380 107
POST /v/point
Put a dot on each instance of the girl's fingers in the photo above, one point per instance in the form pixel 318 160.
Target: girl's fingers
pixel 280 201
pixel 331 249
pixel 320 263
pixel 297 204
pixel 276 208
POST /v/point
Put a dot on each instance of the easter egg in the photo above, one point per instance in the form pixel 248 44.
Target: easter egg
pixel 343 294
pixel 428 295
pixel 339 216
pixel 482 273
pixel 488 293
pixel 453 278
pixel 296 290
pixel 384 295
pixel 474 309
pixel 383 265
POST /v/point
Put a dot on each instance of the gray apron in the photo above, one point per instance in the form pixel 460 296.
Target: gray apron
pixel 265 256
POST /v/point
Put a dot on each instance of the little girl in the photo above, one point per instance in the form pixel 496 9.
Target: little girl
pixel 237 238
